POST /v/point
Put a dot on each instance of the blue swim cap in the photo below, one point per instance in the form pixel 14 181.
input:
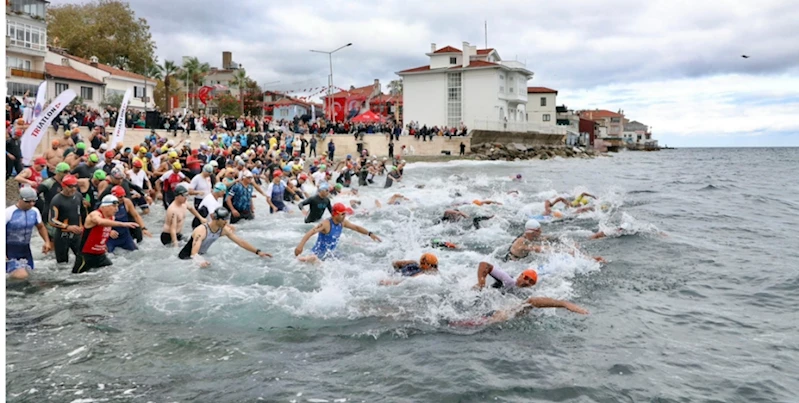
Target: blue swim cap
pixel 287 168
pixel 324 186
pixel 220 187
pixel 349 156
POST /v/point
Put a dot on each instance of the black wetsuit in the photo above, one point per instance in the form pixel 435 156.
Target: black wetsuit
pixel 66 210
pixel 317 206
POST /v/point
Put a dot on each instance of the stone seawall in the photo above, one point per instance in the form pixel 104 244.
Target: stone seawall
pixel 345 143
pixel 523 138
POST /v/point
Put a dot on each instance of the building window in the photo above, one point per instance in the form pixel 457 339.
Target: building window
pixel 34 8
pixel 454 92
pixel 546 116
pixel 26 36
pixel 453 60
pixel 87 93
pixel 139 92
pixel 61 87
pixel 544 102
pixel 17 89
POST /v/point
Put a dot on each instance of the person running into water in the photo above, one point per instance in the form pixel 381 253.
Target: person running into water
pixel 317 204
pixel 502 280
pixel 65 217
pixel 528 305
pixel 205 235
pixel 329 232
pixel 427 264
pixel 20 220
pixel 97 229
pixel 121 237
pixel 210 203
pixel 175 215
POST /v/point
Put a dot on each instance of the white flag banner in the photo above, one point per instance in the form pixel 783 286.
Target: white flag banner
pixel 39 106
pixel 119 129
pixel 38 129
pixel 313 111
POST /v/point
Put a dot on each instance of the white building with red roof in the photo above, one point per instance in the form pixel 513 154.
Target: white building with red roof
pixel 116 81
pixel 541 103
pixel 467 86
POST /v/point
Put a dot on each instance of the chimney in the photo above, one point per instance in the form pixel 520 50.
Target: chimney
pixel 227 60
pixel 465 54
pixel 93 61
pixel 432 48
pixel 376 88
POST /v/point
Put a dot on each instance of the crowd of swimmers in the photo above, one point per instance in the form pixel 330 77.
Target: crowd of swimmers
pixel 91 202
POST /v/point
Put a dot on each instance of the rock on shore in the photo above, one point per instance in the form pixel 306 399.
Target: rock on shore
pixel 514 151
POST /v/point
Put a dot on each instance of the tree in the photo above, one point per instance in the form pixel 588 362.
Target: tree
pixel 162 93
pixel 253 99
pixel 167 73
pixel 107 29
pixel 227 104
pixel 195 71
pixel 239 81
pixel 395 87
pixel 112 99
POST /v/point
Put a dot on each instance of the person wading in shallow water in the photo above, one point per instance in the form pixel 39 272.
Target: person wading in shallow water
pixel 205 235
pixel 329 231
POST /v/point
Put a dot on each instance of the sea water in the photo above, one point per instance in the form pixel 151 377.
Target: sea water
pixel 695 303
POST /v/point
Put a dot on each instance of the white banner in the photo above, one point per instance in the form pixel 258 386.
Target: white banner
pixel 38 129
pixel 39 106
pixel 119 129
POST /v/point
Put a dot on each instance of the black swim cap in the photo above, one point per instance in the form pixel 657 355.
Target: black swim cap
pixel 222 213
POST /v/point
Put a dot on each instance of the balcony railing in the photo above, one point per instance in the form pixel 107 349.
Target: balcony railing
pixel 518 127
pixel 39 75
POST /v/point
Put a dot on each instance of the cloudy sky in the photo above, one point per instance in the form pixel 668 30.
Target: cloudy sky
pixel 675 65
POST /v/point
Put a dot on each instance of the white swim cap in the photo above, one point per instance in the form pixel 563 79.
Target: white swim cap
pixel 532 225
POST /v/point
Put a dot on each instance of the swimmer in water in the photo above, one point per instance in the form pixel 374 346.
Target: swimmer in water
pixel 517 178
pixel 329 232
pixel 527 306
pixel 457 215
pixel 396 199
pixel 502 280
pixel 530 241
pixel 427 264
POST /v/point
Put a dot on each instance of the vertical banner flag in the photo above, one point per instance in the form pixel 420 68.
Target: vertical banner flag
pixel 313 111
pixel 119 129
pixel 37 109
pixel 38 129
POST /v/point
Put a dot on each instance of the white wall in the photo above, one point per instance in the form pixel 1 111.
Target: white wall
pixel 442 60
pixel 113 83
pixel 535 111
pixel 97 95
pixel 480 89
pixel 425 99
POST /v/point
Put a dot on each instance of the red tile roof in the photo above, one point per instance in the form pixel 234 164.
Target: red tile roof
pixel 386 98
pixel 68 73
pixel 541 90
pixel 599 114
pixel 360 91
pixel 484 51
pixel 290 101
pixel 416 69
pixel 108 69
pixel 448 49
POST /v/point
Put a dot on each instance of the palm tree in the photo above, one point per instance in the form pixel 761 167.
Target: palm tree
pixel 195 71
pixel 166 72
pixel 240 81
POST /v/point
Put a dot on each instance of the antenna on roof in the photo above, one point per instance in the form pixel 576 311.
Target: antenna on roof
pixel 486 31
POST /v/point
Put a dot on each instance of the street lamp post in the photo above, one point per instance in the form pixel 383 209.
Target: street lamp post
pixel 330 81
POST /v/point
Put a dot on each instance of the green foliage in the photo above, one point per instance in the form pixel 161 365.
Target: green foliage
pixel 107 29
pixel 112 99
pixel 227 104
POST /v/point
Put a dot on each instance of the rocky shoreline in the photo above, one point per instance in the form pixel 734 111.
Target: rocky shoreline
pixel 514 151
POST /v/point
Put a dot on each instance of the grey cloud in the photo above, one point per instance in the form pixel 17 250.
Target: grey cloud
pixel 568 45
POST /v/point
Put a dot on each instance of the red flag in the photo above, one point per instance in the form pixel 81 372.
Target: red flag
pixel 203 92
